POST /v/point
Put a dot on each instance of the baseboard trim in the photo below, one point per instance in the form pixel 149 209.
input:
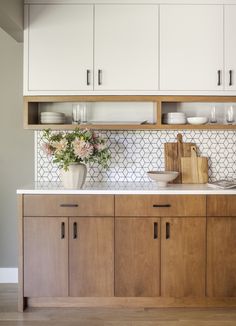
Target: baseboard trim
pixel 8 275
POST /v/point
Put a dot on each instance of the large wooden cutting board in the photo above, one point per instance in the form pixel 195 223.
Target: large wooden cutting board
pixel 194 169
pixel 173 154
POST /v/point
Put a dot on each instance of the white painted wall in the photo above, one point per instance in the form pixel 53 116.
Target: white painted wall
pixel 11 18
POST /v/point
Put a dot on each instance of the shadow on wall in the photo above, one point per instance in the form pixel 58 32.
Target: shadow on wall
pixel 16 145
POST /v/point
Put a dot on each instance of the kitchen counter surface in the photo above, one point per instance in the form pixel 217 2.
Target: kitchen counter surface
pixel 124 188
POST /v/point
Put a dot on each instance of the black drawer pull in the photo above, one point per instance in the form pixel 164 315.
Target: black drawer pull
pixel 155 233
pixel 161 206
pixel 69 205
pixel 62 230
pixel 167 230
pixel 74 230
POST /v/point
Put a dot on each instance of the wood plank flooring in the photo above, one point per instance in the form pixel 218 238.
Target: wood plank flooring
pixel 108 317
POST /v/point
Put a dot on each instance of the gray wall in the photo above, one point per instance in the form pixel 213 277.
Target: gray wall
pixel 16 145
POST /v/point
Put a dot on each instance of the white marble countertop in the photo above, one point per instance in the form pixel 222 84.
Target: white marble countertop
pixel 124 188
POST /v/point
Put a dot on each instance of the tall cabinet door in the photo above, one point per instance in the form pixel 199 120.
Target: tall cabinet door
pixel 126 47
pixel 221 257
pixel 91 257
pixel 137 257
pixel 191 47
pixel 45 257
pixel 230 47
pixel 183 257
pixel 60 47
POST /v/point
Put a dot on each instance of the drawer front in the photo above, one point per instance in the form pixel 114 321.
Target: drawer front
pixel 221 205
pixel 68 205
pixel 160 205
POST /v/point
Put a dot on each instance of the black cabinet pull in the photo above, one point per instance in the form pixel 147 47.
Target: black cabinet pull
pixel 155 230
pixel 230 77
pixel 88 75
pixel 161 206
pixel 99 77
pixel 62 230
pixel 167 230
pixel 219 77
pixel 74 230
pixel 69 205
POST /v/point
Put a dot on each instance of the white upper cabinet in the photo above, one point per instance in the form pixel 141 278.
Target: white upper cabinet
pixel 59 48
pixel 230 47
pixel 191 47
pixel 126 47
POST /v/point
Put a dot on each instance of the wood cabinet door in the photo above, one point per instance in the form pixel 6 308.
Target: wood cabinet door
pixel 191 47
pixel 183 257
pixel 230 47
pixel 45 257
pixel 126 47
pixel 137 257
pixel 59 47
pixel 221 257
pixel 91 257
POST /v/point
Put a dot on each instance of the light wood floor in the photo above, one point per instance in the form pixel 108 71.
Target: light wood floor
pixel 108 317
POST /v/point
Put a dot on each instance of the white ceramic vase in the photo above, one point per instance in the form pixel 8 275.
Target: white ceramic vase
pixel 75 177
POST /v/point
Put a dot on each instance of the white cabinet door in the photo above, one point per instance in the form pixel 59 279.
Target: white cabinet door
pixel 126 47
pixel 60 47
pixel 230 47
pixel 191 47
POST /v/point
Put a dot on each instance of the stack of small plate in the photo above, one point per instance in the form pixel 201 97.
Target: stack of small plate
pixel 174 118
pixel 52 117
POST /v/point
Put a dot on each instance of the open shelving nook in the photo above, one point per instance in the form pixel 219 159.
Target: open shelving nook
pixel 161 104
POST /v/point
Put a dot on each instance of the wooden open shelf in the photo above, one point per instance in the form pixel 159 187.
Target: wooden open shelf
pixel 31 109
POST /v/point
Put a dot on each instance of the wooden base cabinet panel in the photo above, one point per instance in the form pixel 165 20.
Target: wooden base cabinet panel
pixel 91 257
pixel 221 257
pixel 137 257
pixel 183 257
pixel 45 257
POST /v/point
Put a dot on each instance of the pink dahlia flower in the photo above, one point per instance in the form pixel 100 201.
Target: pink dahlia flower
pixel 82 149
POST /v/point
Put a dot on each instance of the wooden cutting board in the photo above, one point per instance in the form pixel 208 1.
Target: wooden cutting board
pixel 173 154
pixel 194 169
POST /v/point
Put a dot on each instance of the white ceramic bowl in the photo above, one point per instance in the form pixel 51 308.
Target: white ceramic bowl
pixel 162 177
pixel 197 120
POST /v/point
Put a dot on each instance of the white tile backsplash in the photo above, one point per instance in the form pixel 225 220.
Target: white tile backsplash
pixel 133 153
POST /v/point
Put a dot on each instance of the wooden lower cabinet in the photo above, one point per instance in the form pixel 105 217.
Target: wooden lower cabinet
pixel 137 257
pixel 183 256
pixel 91 257
pixel 221 257
pixel 45 257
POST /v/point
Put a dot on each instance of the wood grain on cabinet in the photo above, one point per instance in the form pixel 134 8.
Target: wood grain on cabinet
pixel 221 205
pixel 91 257
pixel 160 205
pixel 45 257
pixel 69 205
pixel 137 257
pixel 183 257
pixel 221 257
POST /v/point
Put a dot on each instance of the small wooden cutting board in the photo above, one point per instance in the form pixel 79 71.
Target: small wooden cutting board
pixel 173 154
pixel 194 169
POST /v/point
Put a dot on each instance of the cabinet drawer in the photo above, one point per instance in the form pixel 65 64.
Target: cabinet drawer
pixel 220 205
pixel 160 205
pixel 68 205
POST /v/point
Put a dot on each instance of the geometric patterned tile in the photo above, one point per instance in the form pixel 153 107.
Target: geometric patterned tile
pixel 133 153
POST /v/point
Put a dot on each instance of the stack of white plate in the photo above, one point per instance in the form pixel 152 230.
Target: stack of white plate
pixel 52 117
pixel 174 118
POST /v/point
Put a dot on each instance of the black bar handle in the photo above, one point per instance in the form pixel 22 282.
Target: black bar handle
pixel 69 205
pixel 88 75
pixel 74 230
pixel 155 229
pixel 219 77
pixel 230 77
pixel 99 77
pixel 62 230
pixel 167 230
pixel 161 205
